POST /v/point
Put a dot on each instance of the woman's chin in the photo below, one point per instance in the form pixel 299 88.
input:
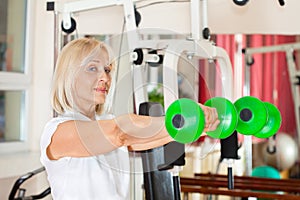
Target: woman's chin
pixel 100 98
pixel 100 101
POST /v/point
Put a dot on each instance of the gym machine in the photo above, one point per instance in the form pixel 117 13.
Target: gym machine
pixel 293 74
pixel 163 163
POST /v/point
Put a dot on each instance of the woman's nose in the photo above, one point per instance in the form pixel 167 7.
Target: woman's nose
pixel 104 77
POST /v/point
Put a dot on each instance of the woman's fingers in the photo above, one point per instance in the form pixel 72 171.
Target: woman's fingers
pixel 211 118
pixel 212 127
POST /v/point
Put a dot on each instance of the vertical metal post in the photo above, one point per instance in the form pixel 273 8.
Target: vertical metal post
pixel 195 19
pixel 247 138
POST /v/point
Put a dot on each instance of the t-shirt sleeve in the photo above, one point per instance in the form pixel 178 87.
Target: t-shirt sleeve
pixel 48 132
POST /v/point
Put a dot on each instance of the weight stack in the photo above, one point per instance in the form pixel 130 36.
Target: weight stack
pixel 158 184
pixel 229 147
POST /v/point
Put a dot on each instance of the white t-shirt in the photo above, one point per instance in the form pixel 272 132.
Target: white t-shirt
pixel 92 178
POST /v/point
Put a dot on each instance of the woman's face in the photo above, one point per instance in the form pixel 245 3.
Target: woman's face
pixel 93 80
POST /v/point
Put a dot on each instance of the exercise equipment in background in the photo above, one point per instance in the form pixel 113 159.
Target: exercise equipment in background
pixel 266 171
pixel 289 50
pixel 19 193
pixel 285 154
pixel 151 159
pixel 185 119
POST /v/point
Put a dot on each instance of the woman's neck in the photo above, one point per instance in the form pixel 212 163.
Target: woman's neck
pixel 87 111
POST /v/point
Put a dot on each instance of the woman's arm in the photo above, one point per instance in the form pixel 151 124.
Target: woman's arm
pixel 87 138
pixel 211 123
pixel 84 138
pixel 143 132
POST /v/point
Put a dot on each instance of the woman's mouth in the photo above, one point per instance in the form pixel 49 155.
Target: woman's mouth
pixel 101 90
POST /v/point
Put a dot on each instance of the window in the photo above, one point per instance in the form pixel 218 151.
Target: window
pixel 14 73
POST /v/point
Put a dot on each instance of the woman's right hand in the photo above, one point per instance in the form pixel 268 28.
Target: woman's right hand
pixel 211 118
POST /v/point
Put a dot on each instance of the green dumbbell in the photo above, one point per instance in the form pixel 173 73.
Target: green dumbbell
pixel 257 118
pixel 185 119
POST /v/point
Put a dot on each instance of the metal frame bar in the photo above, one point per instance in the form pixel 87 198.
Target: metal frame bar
pixel 288 49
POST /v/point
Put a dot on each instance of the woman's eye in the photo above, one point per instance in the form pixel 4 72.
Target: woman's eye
pixel 92 69
pixel 107 70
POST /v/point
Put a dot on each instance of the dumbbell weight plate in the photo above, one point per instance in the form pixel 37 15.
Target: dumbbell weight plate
pixel 252 115
pixel 227 115
pixel 273 123
pixel 184 120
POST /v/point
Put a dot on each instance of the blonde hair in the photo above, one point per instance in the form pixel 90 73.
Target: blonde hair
pixel 67 65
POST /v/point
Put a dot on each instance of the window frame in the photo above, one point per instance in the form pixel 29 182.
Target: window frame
pixel 18 81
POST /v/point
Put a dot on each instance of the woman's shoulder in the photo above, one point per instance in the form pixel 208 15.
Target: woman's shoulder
pixel 67 116
pixel 53 123
pixel 105 116
pixel 58 120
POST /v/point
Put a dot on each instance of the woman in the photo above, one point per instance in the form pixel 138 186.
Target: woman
pixel 83 150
